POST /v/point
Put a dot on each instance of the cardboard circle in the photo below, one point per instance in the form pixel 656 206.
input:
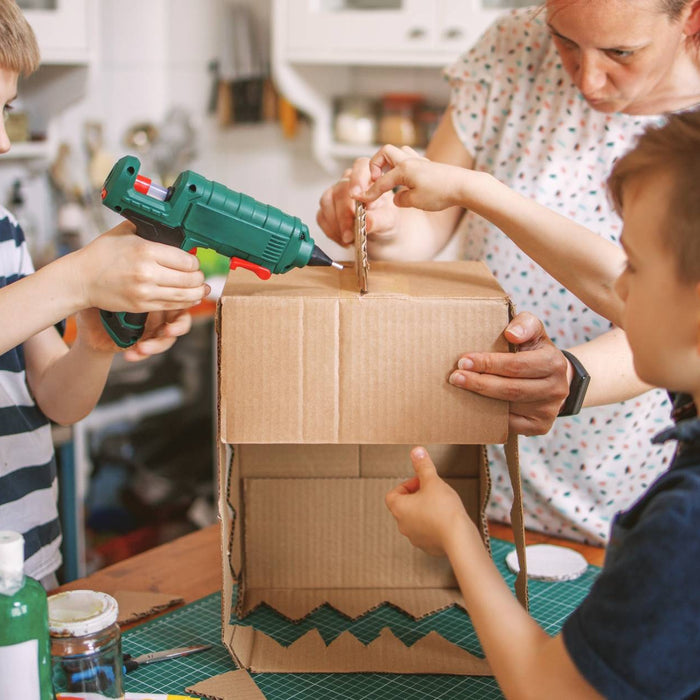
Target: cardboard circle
pixel 549 562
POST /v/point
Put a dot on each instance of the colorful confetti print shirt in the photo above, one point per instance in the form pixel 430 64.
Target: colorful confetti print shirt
pixel 517 112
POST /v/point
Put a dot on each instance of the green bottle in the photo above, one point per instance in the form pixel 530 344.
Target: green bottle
pixel 25 651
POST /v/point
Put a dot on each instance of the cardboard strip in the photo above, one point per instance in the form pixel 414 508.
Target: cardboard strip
pixel 361 257
pixel 296 604
pixel 346 654
pixel 516 518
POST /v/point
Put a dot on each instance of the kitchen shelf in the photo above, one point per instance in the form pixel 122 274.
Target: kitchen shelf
pixel 38 150
pixel 322 49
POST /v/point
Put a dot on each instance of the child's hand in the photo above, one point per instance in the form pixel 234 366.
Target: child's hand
pixel 162 329
pixel 160 333
pixel 427 510
pixel 424 184
pixel 120 271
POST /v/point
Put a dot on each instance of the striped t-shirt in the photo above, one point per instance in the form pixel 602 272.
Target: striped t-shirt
pixel 28 484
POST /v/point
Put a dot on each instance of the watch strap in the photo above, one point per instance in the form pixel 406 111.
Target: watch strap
pixel 580 380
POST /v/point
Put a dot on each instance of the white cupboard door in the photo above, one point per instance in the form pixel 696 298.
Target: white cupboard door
pixel 460 23
pixel 342 29
pixel 61 28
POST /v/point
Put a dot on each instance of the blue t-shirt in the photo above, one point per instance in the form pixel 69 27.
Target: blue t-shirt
pixel 637 634
pixel 28 483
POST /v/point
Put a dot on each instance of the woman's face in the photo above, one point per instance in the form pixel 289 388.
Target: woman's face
pixel 619 53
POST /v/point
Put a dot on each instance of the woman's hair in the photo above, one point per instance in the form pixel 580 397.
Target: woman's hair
pixel 673 148
pixel 19 51
pixel 673 10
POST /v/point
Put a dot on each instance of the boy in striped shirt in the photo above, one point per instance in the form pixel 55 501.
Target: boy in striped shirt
pixel 41 378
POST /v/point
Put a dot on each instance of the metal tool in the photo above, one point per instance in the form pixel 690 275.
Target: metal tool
pixel 361 258
pixel 133 662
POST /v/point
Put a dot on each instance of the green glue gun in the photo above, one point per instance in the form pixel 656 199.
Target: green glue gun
pixel 199 213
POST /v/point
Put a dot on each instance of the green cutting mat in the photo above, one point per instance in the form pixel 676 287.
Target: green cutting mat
pixel 199 622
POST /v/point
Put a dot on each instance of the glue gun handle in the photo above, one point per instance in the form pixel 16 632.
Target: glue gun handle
pixel 124 328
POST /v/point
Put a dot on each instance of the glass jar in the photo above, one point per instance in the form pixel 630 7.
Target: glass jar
pixel 86 653
pixel 398 125
pixel 356 120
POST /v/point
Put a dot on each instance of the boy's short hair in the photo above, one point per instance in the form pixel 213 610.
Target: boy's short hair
pixel 673 148
pixel 19 51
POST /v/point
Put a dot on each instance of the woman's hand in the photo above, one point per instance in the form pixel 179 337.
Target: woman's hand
pixel 336 212
pixel 534 380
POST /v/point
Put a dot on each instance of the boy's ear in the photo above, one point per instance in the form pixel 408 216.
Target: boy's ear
pixel 692 23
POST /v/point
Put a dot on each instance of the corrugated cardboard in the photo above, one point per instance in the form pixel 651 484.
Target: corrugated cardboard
pixel 307 359
pixel 323 391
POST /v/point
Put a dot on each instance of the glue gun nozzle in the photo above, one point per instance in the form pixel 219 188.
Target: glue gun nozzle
pixel 318 257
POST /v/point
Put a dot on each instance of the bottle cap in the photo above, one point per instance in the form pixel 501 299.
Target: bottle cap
pixel 11 553
pixel 77 613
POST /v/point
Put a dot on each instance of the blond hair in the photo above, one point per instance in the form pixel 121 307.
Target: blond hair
pixel 19 51
pixel 673 148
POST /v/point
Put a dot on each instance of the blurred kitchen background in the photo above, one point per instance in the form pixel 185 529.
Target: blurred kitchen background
pixel 274 98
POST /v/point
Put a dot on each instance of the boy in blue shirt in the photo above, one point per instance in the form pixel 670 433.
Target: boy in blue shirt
pixel 41 379
pixel 637 633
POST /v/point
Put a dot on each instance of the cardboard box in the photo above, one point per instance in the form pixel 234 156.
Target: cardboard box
pixel 322 392
pixel 307 359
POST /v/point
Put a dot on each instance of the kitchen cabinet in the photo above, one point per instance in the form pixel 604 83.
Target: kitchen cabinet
pixel 61 28
pixel 323 49
pixel 391 32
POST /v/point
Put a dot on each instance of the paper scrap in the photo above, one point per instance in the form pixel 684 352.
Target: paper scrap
pixel 134 605
pixel 232 685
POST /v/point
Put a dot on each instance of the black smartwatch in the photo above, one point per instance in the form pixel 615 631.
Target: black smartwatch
pixel 577 388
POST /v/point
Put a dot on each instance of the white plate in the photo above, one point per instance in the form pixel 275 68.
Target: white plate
pixel 548 562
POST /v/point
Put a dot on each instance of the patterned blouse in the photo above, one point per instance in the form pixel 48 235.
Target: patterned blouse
pixel 517 112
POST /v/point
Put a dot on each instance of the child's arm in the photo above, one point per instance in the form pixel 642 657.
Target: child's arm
pixel 67 382
pixel 526 662
pixel 119 272
pixel 583 262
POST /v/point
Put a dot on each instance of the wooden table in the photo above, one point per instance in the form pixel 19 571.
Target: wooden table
pixel 191 565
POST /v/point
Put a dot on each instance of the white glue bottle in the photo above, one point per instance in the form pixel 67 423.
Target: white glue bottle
pixel 25 652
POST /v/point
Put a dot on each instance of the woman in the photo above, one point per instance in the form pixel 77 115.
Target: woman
pixel 546 101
